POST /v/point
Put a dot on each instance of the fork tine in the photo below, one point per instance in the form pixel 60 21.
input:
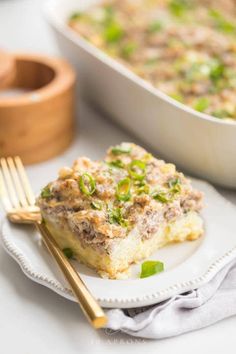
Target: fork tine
pixel 4 194
pixel 17 182
pixel 9 183
pixel 25 181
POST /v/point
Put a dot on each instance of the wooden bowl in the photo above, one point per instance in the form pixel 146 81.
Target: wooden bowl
pixel 7 69
pixel 38 124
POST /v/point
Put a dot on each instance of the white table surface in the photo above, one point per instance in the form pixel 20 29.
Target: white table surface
pixel 34 320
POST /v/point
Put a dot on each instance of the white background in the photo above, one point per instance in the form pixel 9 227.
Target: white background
pixel 34 320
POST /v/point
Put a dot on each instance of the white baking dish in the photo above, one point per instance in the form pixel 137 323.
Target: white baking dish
pixel 199 144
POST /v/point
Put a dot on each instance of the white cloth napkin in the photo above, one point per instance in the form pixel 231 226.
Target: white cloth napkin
pixel 183 313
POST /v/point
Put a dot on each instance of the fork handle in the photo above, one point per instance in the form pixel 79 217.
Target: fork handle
pixel 89 305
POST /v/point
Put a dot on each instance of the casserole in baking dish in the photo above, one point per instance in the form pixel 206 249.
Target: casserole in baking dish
pixel 196 142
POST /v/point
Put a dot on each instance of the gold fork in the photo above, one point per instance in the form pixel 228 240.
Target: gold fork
pixel 19 203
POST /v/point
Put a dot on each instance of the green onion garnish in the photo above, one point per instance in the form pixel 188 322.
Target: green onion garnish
pixel 217 71
pixel 174 182
pixel 113 32
pixel 109 13
pixel 147 157
pixel 222 113
pixel 128 49
pixel 123 190
pixel 161 197
pixel 75 16
pixel 137 169
pixel 221 22
pixel 115 217
pixel 118 150
pixel 46 193
pixel 199 71
pixel 177 96
pixel 151 61
pixel 87 184
pixel 96 204
pixel 149 268
pixel 202 104
pixel 143 189
pixel 68 252
pixel 116 163
pixel 174 185
pixel 155 26
pixel 179 7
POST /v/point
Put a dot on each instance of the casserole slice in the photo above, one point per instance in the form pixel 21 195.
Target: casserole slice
pixel 111 213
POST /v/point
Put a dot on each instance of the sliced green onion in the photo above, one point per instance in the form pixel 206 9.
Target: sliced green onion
pixel 123 190
pixel 179 7
pixel 144 189
pixel 115 217
pixel 139 183
pixel 177 96
pixel 149 268
pixel 212 69
pixel 173 182
pixel 75 16
pixel 198 71
pixel 118 150
pixel 128 49
pixel 68 252
pixel 96 204
pixel 155 26
pixel 202 104
pixel 222 113
pixel 87 184
pixel 147 157
pixel 109 13
pixel 113 32
pixel 161 197
pixel 221 22
pixel 151 61
pixel 46 193
pixel 217 70
pixel 174 185
pixel 116 163
pixel 137 169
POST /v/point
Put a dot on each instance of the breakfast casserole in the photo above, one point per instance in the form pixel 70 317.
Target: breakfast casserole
pixel 185 48
pixel 114 212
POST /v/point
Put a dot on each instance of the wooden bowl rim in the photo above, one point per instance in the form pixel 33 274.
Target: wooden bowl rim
pixel 64 77
pixel 7 69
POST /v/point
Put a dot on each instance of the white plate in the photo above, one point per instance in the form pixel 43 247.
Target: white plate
pixel 188 265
